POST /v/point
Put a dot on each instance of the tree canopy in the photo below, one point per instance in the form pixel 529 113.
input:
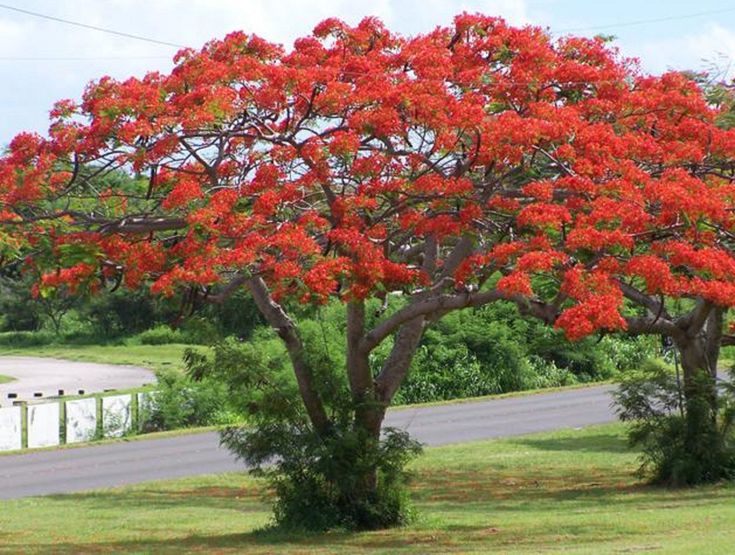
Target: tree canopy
pixel 362 163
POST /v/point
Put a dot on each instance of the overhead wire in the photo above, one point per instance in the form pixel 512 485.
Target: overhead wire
pixel 91 27
pixel 77 58
pixel 644 21
pixel 175 45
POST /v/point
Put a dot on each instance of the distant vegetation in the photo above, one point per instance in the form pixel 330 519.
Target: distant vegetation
pixel 472 353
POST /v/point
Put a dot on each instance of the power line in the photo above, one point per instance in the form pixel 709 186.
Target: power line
pixel 643 21
pixel 92 27
pixel 77 58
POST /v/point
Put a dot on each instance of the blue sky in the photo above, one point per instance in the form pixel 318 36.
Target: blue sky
pixel 34 76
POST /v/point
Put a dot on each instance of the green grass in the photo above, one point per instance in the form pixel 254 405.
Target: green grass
pixel 154 357
pixel 565 492
pixel 6 379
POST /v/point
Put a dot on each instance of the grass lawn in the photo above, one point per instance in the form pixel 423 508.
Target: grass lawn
pixel 155 357
pixel 6 379
pixel 569 491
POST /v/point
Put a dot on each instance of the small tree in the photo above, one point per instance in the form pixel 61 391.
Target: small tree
pixel 401 176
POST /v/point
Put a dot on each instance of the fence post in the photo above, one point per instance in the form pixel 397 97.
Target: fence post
pixel 62 422
pixel 100 433
pixel 23 423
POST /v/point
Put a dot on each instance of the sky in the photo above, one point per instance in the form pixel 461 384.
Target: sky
pixel 42 61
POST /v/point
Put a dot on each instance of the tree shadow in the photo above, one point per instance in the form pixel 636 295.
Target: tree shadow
pixel 242 498
pixel 488 493
pixel 598 443
pixel 266 540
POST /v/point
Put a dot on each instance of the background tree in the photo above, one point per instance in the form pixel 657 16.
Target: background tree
pixel 401 176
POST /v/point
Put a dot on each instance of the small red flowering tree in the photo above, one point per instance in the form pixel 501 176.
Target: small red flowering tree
pixel 364 165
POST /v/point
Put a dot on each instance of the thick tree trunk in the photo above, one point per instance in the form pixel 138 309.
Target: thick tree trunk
pixel 699 368
pixel 372 396
pixel 369 411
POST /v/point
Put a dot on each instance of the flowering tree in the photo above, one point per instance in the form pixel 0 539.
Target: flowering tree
pixel 365 165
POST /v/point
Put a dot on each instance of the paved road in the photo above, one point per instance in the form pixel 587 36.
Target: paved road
pixel 69 470
pixel 49 375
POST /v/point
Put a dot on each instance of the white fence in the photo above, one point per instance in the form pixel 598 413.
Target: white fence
pixel 43 425
pixel 10 428
pixel 81 420
pixel 55 422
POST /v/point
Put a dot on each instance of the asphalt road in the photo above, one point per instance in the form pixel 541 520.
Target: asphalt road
pixel 84 468
pixel 48 375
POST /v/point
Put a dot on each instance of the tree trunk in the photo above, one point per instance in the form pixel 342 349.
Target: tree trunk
pixel 369 412
pixel 699 388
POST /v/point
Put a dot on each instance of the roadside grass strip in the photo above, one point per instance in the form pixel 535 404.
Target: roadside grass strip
pixel 571 491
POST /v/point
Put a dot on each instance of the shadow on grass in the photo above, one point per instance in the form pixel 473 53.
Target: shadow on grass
pixel 474 509
pixel 268 540
pixel 241 498
pixel 492 497
pixel 597 443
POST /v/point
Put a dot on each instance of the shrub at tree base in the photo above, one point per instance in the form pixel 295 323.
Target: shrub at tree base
pixel 681 441
pixel 344 478
pixel 330 482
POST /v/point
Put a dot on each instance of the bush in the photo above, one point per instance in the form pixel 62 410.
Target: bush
pixel 160 335
pixel 122 312
pixel 178 402
pixel 320 483
pixel 629 353
pixel 26 338
pixel 238 316
pixel 199 331
pixel 682 444
pixel 546 373
pixel 195 331
pixel 343 480
pixel 17 307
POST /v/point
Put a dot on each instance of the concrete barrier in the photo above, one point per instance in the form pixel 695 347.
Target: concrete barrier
pixel 119 415
pixel 43 425
pixel 11 428
pixel 81 420
pixel 116 415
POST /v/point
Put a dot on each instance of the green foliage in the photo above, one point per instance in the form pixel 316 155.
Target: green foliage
pixel 345 479
pixel 685 439
pixel 199 331
pixel 121 312
pixel 26 339
pixel 178 402
pixel 160 335
pixel 324 483
pixel 545 373
pixel 18 311
pixel 494 350
pixel 238 316
pixel 195 331
pixel 443 372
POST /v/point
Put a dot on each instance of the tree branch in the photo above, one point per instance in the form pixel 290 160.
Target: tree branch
pixel 286 329
pixel 426 307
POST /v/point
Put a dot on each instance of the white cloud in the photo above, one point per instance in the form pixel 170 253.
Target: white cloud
pixel 695 51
